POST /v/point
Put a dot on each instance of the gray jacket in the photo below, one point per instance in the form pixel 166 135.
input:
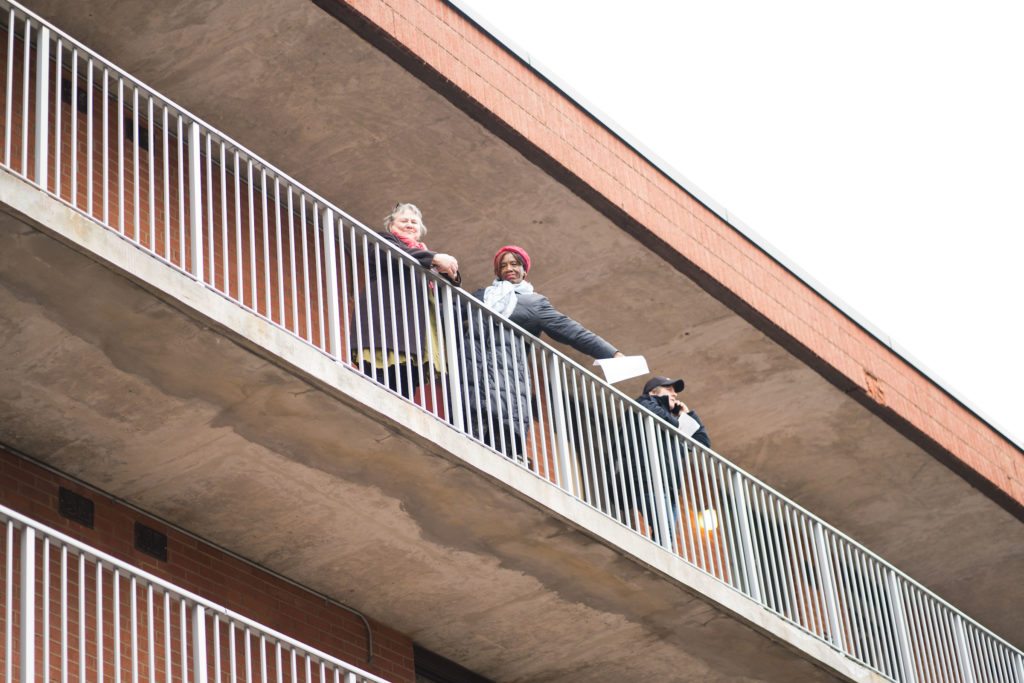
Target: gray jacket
pixel 499 381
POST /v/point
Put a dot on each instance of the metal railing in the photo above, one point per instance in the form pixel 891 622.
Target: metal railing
pixel 73 612
pixel 140 165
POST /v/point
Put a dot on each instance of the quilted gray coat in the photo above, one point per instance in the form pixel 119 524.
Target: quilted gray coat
pixel 498 363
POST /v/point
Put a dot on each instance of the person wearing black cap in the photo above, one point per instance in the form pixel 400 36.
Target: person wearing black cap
pixel 660 398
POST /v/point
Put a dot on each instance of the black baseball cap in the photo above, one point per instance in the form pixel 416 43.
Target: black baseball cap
pixel 655 382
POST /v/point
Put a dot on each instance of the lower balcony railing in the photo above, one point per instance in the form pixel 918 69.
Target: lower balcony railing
pixel 71 612
pixel 121 154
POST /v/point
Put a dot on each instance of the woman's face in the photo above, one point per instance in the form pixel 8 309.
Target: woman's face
pixel 406 224
pixel 510 268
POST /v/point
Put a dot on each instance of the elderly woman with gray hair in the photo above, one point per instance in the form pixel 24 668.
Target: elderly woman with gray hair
pixel 498 380
pixel 395 337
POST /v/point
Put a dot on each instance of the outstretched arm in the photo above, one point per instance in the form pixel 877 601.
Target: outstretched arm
pixel 565 330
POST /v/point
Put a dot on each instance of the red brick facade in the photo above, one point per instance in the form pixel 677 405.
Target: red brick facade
pixel 207 571
pixel 449 52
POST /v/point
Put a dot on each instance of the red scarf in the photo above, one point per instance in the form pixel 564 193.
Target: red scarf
pixel 411 243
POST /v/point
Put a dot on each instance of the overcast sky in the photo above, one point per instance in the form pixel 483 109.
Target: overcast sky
pixel 878 145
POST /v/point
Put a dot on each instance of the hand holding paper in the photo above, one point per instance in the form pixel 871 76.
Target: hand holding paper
pixel 626 367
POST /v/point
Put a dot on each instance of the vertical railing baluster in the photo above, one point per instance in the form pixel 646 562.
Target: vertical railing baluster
pixel 293 260
pixel 150 633
pixel 106 146
pixel 58 112
pixel 195 206
pixel 151 156
pixel 279 242
pixel 133 618
pixel 895 595
pixel 306 289
pixel 239 268
pixel 64 664
pixel 166 150
pixel 232 651
pixel 225 250
pixel 136 190
pixel 8 119
pixel 318 289
pixel 264 210
pixel 746 540
pixel 73 120
pixel 120 155
pixel 115 626
pixel 339 245
pixel 210 221
pixel 43 105
pixel 827 573
pixel 168 656
pixel 963 651
pixel 247 635
pixel 561 432
pixel 183 638
pixel 99 622
pixel 253 277
pixel 8 561
pixel 263 658
pixel 332 293
pixel 657 489
pixel 25 93
pixel 199 644
pixel 455 412
pixel 28 605
pixel 217 650
pixel 184 196
pixel 45 607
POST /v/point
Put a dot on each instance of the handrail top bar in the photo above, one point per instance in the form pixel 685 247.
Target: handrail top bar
pixel 465 299
pixel 137 572
pixel 182 111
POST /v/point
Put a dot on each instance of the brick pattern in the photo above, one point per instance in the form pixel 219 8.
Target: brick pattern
pixel 449 52
pixel 197 567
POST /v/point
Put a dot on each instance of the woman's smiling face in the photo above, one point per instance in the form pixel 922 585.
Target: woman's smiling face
pixel 510 268
pixel 406 224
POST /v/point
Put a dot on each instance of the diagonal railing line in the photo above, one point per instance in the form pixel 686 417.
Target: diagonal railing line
pixel 35 535
pixel 204 204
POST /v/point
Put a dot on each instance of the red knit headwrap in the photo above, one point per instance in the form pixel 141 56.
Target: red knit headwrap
pixel 518 251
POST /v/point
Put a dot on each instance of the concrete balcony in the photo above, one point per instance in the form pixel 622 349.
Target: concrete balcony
pixel 128 370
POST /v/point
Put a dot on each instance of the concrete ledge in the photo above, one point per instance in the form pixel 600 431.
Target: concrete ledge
pixel 513 576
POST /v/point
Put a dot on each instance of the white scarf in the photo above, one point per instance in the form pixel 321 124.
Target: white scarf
pixel 502 296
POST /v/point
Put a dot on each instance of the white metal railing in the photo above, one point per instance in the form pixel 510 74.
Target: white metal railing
pixel 73 612
pixel 138 164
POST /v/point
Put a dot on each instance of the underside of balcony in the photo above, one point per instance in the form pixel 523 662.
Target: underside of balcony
pixel 224 425
pixel 301 89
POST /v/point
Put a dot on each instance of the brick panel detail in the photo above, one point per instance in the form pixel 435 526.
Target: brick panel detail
pixel 209 572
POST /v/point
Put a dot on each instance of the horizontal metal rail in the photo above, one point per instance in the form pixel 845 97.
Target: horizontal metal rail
pixel 72 611
pixel 132 160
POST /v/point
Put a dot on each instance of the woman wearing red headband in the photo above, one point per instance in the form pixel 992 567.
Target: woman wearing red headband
pixel 498 379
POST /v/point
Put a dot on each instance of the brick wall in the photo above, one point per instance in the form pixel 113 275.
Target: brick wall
pixel 450 53
pixel 203 569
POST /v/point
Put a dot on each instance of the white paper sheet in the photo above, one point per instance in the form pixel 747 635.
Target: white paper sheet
pixel 618 369
pixel 687 425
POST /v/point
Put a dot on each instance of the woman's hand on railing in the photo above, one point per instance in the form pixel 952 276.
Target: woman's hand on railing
pixel 446 264
pixel 619 354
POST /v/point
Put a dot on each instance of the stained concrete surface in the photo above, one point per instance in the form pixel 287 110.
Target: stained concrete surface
pixel 316 473
pixel 303 91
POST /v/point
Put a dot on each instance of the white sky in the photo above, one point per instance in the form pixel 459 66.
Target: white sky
pixel 877 144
